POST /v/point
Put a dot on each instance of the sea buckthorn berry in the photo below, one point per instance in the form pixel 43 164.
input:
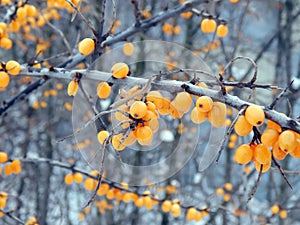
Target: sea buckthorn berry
pixel 138 109
pixel 265 167
pixel 128 49
pixel 120 70
pixel 122 116
pixel 234 1
pixel 103 189
pixel 219 191
pixel 228 186
pixel 226 197
pixel 86 46
pixel 208 26
pixel 16 166
pixel 13 67
pixel 275 209
pixel 21 13
pixel 127 197
pixel 175 210
pixel 117 142
pixel 272 125
pixel 191 214
pixel 287 141
pixel 6 43
pixel 102 135
pixel 296 152
pixel 4 79
pixel 242 127
pixel 166 206
pixel 269 137
pixel 72 88
pixel 183 102
pixel 278 153
pixel 3 157
pixel 90 184
pixel 8 170
pixel 198 116
pixel 103 90
pixel 283 214
pixel 78 178
pixel 222 30
pixel 262 154
pixel 144 133
pixel 69 179
pixel 156 98
pixel 130 139
pixel 204 103
pixel 217 115
pixel 255 115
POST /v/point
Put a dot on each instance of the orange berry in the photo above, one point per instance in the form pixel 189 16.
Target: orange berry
pixel 255 115
pixel 103 90
pixel 13 67
pixel 226 197
pixel 278 153
pixel 191 214
pixel 139 202
pixel 156 98
pixel 287 141
pixel 21 13
pixel 222 30
pixel 283 214
pixel 117 142
pixel 4 79
pixel 104 188
pixel 138 109
pixel 217 115
pixel 198 116
pixel 175 210
pixel 102 135
pixel 219 191
pixel 166 206
pixel 182 102
pixel 272 125
pixel 262 154
pixel 78 177
pixel 243 154
pixel 16 166
pixel 8 170
pixel 120 70
pixel 208 25
pixel 228 186
pixel 269 137
pixel 90 184
pixel 69 179
pixel 6 43
pixel 204 103
pixel 127 197
pixel 86 46
pixel 72 88
pixel 3 157
pixel 265 167
pixel 296 152
pixel 242 127
pixel 144 133
pixel 275 209
pixel 128 49
pixel 234 1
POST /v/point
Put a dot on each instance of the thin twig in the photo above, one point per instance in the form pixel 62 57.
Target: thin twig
pixel 281 171
pixel 273 104
pixel 10 215
pixel 256 184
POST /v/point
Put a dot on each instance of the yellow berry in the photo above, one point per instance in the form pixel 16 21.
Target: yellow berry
pixel 226 197
pixel 272 125
pixel 144 133
pixel 269 137
pixel 120 70
pixel 90 184
pixel 222 31
pixel 243 154
pixel 283 214
pixel 175 210
pixel 3 157
pixel 228 186
pixel 16 166
pixel 117 142
pixel 275 209
pixel 262 154
pixel 204 103
pixel 191 214
pixel 6 43
pixel 182 102
pixel 265 167
pixel 217 115
pixel 278 153
pixel 72 88
pixel 128 49
pixel 166 206
pixel 287 141
pixel 102 135
pixel 234 1
pixel 198 116
pixel 4 79
pixel 86 46
pixel 138 109
pixel 242 127
pixel 103 90
pixel 78 177
pixel 208 25
pixel 69 179
pixel 255 115
pixel 219 191
pixel 13 67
